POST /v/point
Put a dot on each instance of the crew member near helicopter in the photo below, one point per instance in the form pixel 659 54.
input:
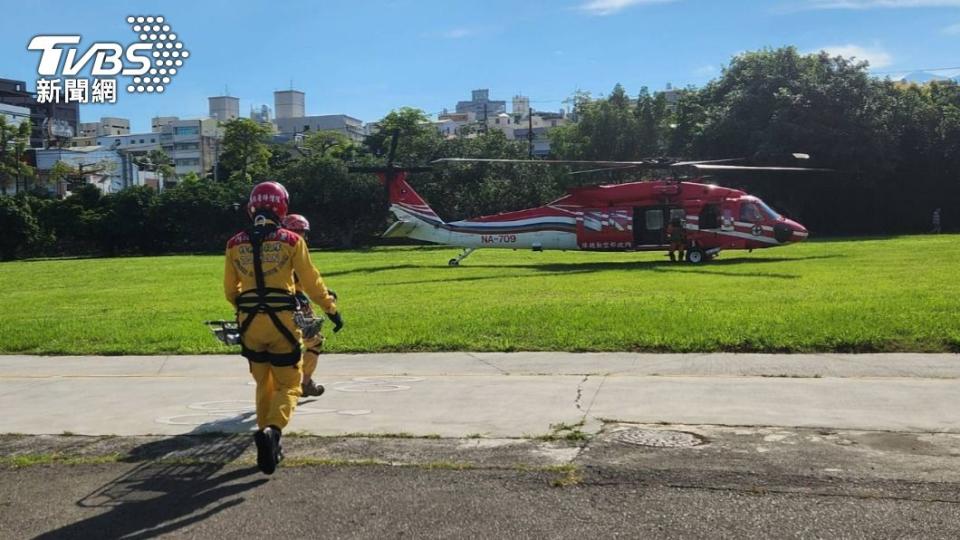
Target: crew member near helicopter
pixel 676 234
pixel 312 338
pixel 259 282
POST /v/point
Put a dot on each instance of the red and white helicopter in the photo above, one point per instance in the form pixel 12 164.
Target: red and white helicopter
pixel 631 216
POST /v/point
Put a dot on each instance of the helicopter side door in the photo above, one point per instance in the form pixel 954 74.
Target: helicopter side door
pixel 650 224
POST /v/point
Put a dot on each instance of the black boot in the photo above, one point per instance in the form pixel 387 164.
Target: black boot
pixel 277 445
pixel 268 449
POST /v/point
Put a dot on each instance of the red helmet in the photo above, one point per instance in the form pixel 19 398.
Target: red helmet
pixel 296 223
pixel 268 196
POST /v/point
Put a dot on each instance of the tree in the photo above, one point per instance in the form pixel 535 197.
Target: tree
pixel 246 153
pixel 418 142
pixel 196 215
pixel 124 227
pixel 470 189
pixel 331 144
pixel 686 124
pixel 651 114
pixel 344 209
pixel 158 161
pixel 14 142
pixel 607 129
pixel 19 227
pixel 76 176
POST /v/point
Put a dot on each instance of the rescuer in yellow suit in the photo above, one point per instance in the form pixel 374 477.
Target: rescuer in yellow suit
pixel 259 282
pixel 676 234
pixel 312 338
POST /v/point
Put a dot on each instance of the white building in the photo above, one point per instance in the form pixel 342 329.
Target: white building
pixel 224 108
pixel 521 105
pixel 304 125
pixel 157 123
pixel 289 104
pixel 192 144
pixel 108 125
pixel 107 167
pixel 518 128
pixel 455 124
pixel 260 115
pixel 481 105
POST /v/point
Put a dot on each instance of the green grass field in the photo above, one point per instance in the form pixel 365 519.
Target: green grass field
pixel 900 294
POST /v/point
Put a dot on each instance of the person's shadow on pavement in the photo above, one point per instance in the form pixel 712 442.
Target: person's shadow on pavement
pixel 175 485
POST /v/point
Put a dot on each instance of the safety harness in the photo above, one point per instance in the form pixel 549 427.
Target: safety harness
pixel 268 300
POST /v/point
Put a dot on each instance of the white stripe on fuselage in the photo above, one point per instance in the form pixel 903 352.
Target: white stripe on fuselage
pixel 438 234
pixel 748 236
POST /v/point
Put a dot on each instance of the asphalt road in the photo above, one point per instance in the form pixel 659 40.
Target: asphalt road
pixel 721 488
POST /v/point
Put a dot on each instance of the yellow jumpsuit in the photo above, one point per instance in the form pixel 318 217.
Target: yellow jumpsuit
pixel 278 381
pixel 313 345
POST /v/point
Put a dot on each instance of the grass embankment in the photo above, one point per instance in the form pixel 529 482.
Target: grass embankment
pixel 900 294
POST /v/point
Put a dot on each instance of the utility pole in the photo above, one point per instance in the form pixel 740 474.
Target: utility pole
pixel 530 130
pixel 216 159
pixel 484 118
pixel 17 147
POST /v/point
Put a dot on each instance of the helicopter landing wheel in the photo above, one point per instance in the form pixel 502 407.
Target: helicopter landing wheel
pixel 696 256
pixel 456 260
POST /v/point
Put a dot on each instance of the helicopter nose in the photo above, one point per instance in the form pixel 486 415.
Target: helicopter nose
pixel 788 231
pixel 799 231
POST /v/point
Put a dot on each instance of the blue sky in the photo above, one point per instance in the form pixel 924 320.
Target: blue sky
pixel 366 57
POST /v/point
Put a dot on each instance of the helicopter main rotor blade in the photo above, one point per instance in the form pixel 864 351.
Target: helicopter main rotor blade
pixel 605 169
pixel 705 161
pixel 375 169
pixel 653 163
pixel 707 167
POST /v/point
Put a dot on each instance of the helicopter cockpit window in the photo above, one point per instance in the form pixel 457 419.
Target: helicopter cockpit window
pixel 770 213
pixel 750 213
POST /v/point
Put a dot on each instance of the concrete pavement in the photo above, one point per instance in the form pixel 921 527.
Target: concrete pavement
pixel 487 394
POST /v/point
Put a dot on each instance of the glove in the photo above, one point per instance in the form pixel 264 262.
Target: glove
pixel 337 321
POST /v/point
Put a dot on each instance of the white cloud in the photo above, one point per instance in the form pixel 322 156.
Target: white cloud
pixel 952 30
pixel 458 33
pixel 609 7
pixel 875 4
pixel 876 56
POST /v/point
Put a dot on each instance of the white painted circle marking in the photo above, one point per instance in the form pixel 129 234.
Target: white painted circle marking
pixel 371 388
pixel 230 405
pixel 388 379
pixel 205 418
